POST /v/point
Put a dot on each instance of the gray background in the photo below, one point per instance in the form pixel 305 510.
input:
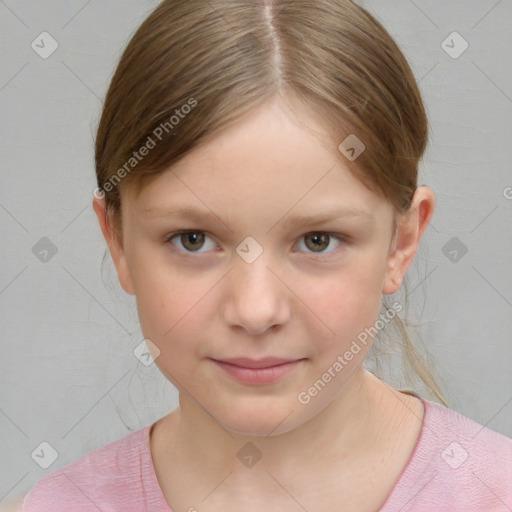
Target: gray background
pixel 68 375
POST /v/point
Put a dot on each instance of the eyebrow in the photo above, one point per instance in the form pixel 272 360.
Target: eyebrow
pixel 287 220
pixel 333 213
pixel 189 213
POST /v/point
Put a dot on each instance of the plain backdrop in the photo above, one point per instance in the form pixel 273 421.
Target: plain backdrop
pixel 68 373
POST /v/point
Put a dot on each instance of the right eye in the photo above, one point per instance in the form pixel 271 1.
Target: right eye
pixel 191 241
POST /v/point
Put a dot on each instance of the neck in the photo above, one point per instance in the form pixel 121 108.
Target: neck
pixel 350 428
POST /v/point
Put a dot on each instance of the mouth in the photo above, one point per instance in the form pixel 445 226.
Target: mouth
pixel 267 362
pixel 262 371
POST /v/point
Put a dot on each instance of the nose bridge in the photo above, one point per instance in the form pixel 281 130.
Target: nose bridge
pixel 256 276
pixel 257 299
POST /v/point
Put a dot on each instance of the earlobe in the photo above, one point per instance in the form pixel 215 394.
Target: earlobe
pixel 114 245
pixel 410 229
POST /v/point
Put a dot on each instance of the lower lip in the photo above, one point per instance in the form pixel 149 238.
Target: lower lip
pixel 258 375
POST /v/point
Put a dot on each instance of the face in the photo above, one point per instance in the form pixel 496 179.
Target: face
pixel 287 256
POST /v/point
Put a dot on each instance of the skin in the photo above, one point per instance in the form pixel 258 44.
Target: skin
pixel 353 438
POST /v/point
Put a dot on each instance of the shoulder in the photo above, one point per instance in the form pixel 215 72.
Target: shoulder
pixel 458 464
pixel 104 478
pixel 467 439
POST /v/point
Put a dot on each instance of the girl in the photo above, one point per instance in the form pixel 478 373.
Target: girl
pixel 257 189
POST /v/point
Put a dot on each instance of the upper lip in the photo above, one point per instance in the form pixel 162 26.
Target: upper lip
pixel 245 362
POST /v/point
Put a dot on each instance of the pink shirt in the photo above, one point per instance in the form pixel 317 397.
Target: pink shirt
pixel 457 466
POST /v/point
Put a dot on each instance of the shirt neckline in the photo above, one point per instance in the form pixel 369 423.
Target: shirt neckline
pixel 155 498
pixel 414 465
pixel 157 501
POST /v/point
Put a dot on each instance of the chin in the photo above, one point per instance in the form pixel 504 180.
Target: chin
pixel 259 422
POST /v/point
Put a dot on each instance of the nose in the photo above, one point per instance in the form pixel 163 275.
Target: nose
pixel 257 299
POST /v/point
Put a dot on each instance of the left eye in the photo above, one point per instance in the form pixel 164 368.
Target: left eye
pixel 193 241
pixel 318 241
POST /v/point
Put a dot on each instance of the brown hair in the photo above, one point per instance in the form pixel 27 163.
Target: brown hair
pixel 194 68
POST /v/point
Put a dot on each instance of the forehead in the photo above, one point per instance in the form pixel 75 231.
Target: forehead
pixel 270 161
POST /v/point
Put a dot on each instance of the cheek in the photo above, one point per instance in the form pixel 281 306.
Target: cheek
pixel 170 309
pixel 168 312
pixel 162 293
pixel 347 301
pixel 349 304
pixel 177 310
pixel 167 301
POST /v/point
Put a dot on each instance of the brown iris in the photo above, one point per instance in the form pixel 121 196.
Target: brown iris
pixel 319 241
pixel 192 241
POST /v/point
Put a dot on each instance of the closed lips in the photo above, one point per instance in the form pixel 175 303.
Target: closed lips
pixel 256 364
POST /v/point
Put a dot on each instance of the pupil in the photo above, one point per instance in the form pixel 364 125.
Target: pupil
pixel 319 239
pixel 192 240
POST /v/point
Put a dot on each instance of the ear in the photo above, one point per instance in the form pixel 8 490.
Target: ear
pixel 411 227
pixel 114 245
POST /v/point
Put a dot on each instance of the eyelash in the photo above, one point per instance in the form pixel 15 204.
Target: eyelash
pixel 340 238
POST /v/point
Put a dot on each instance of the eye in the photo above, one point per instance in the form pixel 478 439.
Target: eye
pixel 318 241
pixel 193 241
pixel 190 240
